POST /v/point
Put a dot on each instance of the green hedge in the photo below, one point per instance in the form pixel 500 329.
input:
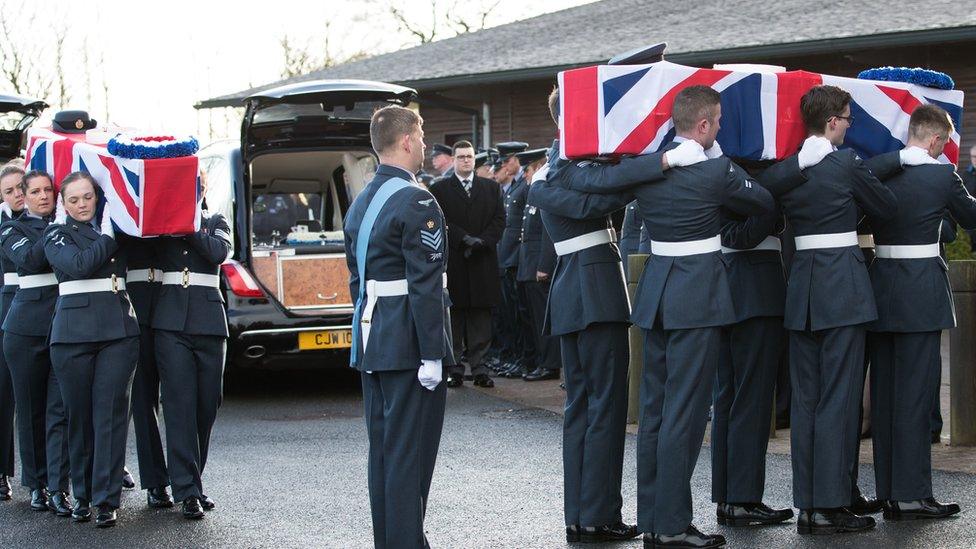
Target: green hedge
pixel 960 249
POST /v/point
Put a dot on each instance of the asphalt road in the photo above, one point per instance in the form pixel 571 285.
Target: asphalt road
pixel 288 469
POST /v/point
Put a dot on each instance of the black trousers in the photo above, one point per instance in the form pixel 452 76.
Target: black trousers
pixel 546 346
pixel 471 332
pixel 191 372
pixel 742 408
pixel 506 318
pixel 905 371
pixel 42 422
pixel 595 422
pixel 528 349
pixel 96 379
pixel 827 372
pixel 679 372
pixel 6 418
pixel 145 411
pixel 404 422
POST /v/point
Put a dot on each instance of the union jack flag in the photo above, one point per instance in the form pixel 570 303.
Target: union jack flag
pixel 144 197
pixel 626 109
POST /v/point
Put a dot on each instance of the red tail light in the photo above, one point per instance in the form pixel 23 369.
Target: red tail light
pixel 240 281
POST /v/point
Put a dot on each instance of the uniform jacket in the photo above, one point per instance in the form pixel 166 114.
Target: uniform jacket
pixel 630 231
pixel 141 254
pixel 830 288
pixel 587 286
pixel 7 266
pixel 32 309
pixel 77 251
pixel 514 204
pixel 968 176
pixel 472 281
pixel 536 252
pixel 407 242
pixel 757 278
pixel 194 310
pixel 913 295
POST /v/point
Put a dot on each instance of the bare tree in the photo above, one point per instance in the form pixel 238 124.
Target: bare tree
pixel 315 53
pixel 298 60
pixel 22 61
pixel 64 96
pixel 477 22
pixel 439 21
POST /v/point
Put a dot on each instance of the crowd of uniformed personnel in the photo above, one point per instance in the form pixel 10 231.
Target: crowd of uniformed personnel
pixel 96 324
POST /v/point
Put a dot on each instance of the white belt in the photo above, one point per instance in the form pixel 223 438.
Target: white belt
pixel 831 240
pixel 144 275
pixel 865 240
pixel 38 281
pixel 583 241
pixel 186 279
pixel 689 247
pixel 113 284
pixel 381 288
pixel 770 243
pixel 918 251
pixel 10 279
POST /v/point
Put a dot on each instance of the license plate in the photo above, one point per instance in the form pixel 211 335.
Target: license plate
pixel 328 339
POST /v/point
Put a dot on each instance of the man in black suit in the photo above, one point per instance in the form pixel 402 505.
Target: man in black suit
pixel 475 218
pixel 968 177
pixel 914 306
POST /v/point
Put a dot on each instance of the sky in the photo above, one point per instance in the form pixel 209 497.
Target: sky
pixel 156 59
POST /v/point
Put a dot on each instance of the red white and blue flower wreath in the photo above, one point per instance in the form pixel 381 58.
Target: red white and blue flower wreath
pixel 148 147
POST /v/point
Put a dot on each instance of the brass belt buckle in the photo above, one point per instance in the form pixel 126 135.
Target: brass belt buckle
pixel 115 284
pixel 186 277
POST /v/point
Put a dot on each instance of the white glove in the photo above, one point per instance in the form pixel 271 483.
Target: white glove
pixel 685 154
pixel 430 373
pixel 915 156
pixel 107 224
pixel 60 216
pixel 814 149
pixel 715 151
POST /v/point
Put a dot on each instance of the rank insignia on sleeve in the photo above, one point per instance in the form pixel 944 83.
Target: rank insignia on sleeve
pixel 435 257
pixel 431 224
pixel 6 231
pixel 432 239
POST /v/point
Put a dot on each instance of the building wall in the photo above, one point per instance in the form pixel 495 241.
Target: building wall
pixel 519 111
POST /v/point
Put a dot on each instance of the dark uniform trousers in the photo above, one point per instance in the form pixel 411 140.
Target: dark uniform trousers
pixel 471 329
pixel 546 347
pixel 42 421
pixel 95 381
pixel 743 402
pixel 595 422
pixel 191 370
pixel 6 417
pixel 505 324
pixel 404 422
pixel 145 411
pixel 527 349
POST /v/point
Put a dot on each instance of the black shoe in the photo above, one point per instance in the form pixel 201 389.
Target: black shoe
pixel 597 534
pixel 59 504
pixel 482 380
pixel 541 374
pixel 39 499
pixel 861 505
pixel 127 481
pixel 513 371
pixel 207 503
pixel 689 538
pixel 106 517
pixel 82 512
pixel 454 380
pixel 831 521
pixel 562 386
pixel 5 493
pixel 158 498
pixel 783 422
pixel 918 509
pixel 936 438
pixel 750 514
pixel 192 509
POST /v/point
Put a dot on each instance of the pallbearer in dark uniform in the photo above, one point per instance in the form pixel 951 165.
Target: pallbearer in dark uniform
pixel 914 301
pixel 395 250
pixel 13 203
pixel 630 232
pixel 94 347
pixel 143 281
pixel 537 260
pixel 588 309
pixel 190 330
pixel 828 303
pixel 42 423
pixel 746 376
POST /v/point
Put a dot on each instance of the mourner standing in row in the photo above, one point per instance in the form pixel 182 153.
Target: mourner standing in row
pixel 475 218
pixel 442 159
pixel 42 422
pixel 11 208
pixel 190 330
pixel 395 250
pixel 94 347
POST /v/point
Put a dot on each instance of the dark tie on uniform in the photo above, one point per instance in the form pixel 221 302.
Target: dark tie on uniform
pixel 466 183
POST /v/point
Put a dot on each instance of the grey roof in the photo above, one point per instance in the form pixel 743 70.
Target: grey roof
pixel 592 33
